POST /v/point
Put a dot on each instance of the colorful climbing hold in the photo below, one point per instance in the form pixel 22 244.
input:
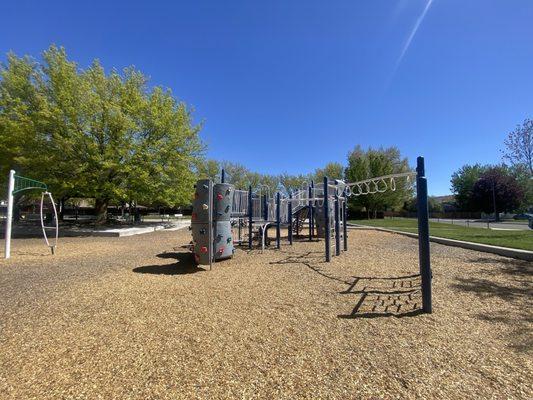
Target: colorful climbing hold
pixel 203 249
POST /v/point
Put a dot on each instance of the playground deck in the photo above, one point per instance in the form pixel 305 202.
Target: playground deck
pixel 135 318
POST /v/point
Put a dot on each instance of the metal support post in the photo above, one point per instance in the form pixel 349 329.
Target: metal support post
pixel 327 231
pixel 423 235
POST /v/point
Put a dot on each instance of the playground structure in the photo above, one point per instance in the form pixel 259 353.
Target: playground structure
pixel 18 184
pixel 211 221
pixel 323 206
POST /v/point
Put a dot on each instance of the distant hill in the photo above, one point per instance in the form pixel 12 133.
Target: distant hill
pixel 444 199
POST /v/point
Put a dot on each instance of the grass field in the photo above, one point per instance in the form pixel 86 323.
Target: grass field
pixel 515 239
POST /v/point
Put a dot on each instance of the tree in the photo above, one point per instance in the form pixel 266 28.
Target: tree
pixel 496 190
pixel 463 182
pixel 519 146
pixel 209 169
pixel 91 134
pixel 434 205
pixel 332 170
pixel 525 181
pixel 373 163
pixel 269 183
pixel 238 175
pixel 293 182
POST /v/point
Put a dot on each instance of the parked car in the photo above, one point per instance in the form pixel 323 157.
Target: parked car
pixel 523 216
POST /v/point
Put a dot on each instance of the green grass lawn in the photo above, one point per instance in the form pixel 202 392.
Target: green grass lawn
pixel 514 239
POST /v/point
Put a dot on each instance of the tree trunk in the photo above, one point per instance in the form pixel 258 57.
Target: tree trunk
pixel 131 211
pixel 100 207
pixel 61 213
pixel 16 212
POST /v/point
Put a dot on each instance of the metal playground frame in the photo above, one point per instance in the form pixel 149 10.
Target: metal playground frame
pixel 324 205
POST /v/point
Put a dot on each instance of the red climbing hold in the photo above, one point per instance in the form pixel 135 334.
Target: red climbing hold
pixel 219 196
pixel 221 250
pixel 193 216
pixel 203 249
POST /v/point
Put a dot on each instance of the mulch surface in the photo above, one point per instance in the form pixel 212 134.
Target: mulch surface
pixel 134 318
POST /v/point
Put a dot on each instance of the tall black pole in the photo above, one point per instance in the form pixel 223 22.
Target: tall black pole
pixel 223 176
pixel 310 213
pixel 265 207
pixel 496 216
pixel 210 223
pixel 250 217
pixel 337 225
pixel 327 233
pixel 344 225
pixel 423 234
pixel 278 220
pixel 289 211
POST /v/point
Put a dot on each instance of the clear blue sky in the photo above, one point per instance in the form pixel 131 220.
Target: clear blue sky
pixel 286 86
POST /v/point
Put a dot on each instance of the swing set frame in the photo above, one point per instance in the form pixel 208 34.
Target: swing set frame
pixel 18 184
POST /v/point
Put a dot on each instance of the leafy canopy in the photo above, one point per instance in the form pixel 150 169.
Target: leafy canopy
pixel 88 133
pixel 332 170
pixel 373 163
pixel 519 146
pixel 499 186
pixel 463 182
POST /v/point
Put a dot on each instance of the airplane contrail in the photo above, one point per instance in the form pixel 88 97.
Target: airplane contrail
pixel 413 33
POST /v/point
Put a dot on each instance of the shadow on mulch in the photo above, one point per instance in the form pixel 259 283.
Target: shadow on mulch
pixel 398 296
pixel 307 259
pixel 507 265
pixel 412 313
pixel 490 288
pixel 184 264
pixel 304 239
pixel 519 319
pixel 521 338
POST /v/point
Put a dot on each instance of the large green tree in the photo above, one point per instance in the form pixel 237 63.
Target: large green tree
pixel 88 133
pixel 208 169
pixel 472 187
pixel 463 181
pixel 522 175
pixel 365 164
pixel 239 175
pixel 332 170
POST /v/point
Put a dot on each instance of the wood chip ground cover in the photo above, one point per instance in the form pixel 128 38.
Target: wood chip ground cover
pixel 134 318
